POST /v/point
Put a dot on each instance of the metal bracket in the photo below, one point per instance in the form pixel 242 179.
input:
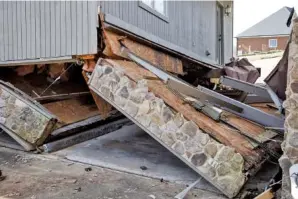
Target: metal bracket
pixel 264 92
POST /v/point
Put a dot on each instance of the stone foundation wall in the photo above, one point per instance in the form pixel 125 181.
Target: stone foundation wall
pixel 290 144
pixel 22 119
pixel 219 164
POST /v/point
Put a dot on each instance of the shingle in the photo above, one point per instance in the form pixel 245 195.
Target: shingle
pixel 275 24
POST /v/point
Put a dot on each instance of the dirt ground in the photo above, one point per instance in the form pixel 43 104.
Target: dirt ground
pixel 35 176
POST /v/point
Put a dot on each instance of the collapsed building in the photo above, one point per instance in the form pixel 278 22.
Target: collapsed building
pixel 209 114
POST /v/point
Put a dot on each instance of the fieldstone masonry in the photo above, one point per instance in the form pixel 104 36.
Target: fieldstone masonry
pixel 21 118
pixel 290 144
pixel 219 164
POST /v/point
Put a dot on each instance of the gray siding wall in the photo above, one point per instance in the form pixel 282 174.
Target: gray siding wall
pixel 33 30
pixel 191 24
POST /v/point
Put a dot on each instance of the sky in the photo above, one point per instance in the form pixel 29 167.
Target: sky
pixel 249 12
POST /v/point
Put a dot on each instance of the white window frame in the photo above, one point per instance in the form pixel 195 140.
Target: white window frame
pixel 151 8
pixel 269 43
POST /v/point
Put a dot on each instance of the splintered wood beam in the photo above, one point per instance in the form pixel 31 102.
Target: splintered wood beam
pixel 104 108
pixel 220 131
pixel 163 60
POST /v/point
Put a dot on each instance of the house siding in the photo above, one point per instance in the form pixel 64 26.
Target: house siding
pixel 190 25
pixel 35 30
pixel 260 44
pixel 41 30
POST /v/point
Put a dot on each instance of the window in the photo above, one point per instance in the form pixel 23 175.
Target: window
pixel 272 43
pixel 156 7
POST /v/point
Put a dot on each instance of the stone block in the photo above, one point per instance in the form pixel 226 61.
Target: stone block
pixel 179 147
pixel 170 126
pixel 225 154
pixel 181 136
pixel 144 120
pixel 154 128
pixel 168 138
pixel 166 113
pixel 292 120
pixel 156 118
pixel 156 104
pixel 131 108
pixel 137 97
pixel 106 91
pixel 198 159
pixel 223 169
pixel 120 101
pixel 123 92
pixel 107 70
pixel 189 128
pixel 144 108
pixel 210 149
pixel 178 119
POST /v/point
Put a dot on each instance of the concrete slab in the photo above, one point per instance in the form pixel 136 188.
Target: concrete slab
pixel 130 148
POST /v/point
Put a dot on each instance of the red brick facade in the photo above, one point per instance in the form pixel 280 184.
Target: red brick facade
pixel 261 44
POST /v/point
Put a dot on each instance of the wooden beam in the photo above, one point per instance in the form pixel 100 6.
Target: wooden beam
pixel 156 57
pixel 103 106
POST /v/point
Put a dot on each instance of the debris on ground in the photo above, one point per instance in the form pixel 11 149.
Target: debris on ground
pixel 143 168
pixel 2 177
pixel 198 111
pixel 88 169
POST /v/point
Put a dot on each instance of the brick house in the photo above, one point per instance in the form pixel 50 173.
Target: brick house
pixel 272 33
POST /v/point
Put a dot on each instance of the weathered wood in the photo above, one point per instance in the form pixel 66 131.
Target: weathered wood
pixel 265 195
pixel 71 110
pixel 158 58
pixel 219 131
pixel 89 65
pixel 104 108
pixel 249 128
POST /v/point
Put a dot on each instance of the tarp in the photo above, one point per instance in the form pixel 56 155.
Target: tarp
pixel 242 70
pixel 277 79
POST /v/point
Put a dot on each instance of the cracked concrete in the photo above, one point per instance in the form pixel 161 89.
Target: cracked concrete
pixel 35 176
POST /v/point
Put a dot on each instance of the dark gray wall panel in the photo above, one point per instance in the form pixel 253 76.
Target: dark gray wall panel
pixel 35 29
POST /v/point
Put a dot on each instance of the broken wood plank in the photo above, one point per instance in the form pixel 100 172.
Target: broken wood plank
pixel 265 195
pixel 61 96
pixel 158 58
pixel 249 128
pixel 72 110
pixel 219 131
pixel 104 108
